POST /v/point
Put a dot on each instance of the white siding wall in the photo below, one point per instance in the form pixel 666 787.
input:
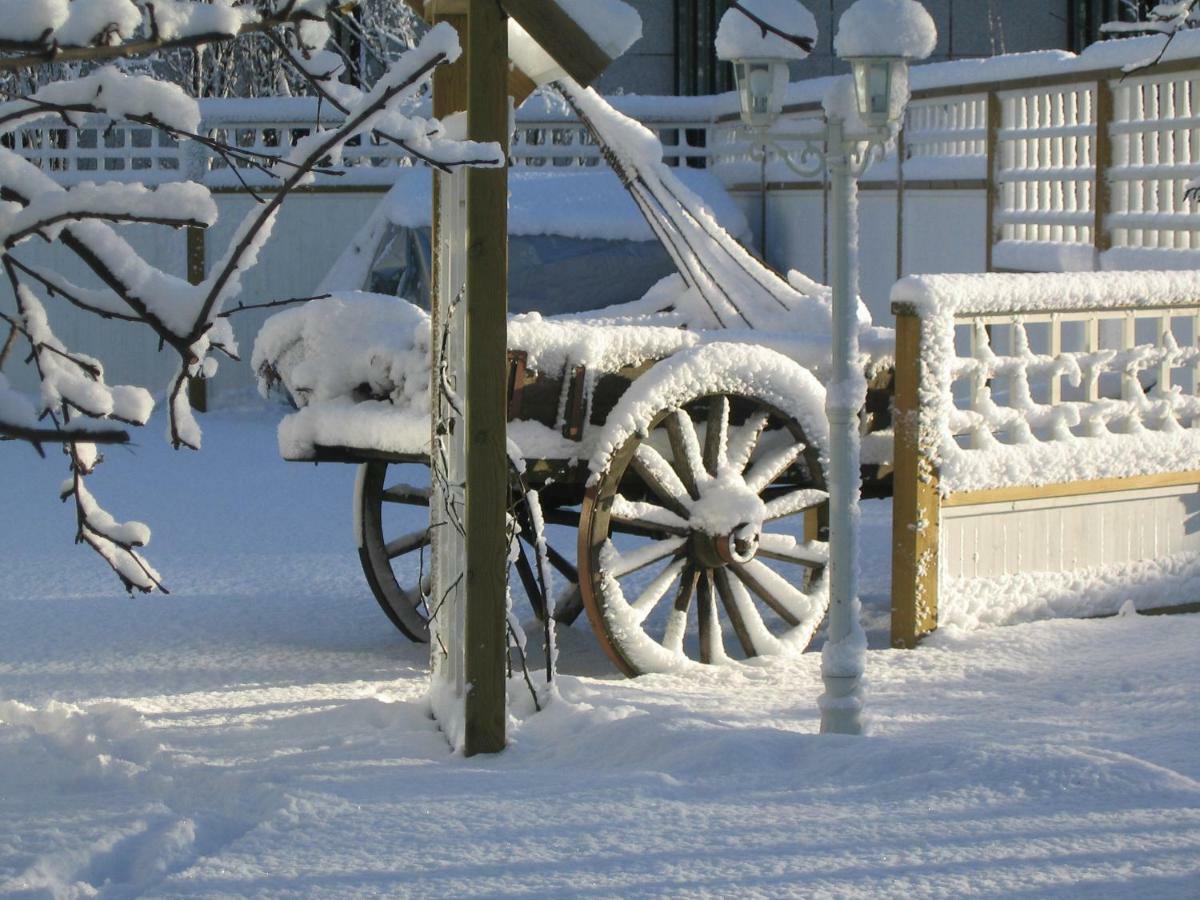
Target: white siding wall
pixel 1063 534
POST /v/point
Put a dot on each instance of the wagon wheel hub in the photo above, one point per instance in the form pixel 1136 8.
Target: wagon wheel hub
pixel 737 547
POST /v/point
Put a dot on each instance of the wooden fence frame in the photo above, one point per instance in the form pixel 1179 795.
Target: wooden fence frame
pixel 918 491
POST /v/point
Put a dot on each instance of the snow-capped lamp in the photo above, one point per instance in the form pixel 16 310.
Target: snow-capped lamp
pixel 760 38
pixel 879 38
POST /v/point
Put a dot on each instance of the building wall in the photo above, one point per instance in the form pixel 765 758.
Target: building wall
pixel 966 28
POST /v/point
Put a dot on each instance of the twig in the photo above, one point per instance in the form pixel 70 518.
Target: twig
pixel 245 307
pixel 804 42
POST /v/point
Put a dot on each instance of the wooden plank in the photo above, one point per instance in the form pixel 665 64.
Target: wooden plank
pixel 915 506
pixel 520 85
pixel 486 645
pixel 1018 493
pixel 1102 152
pixel 572 428
pixel 561 37
pixel 994 112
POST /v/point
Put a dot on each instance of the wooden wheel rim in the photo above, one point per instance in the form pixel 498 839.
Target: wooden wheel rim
pixel 403 606
pixel 700 584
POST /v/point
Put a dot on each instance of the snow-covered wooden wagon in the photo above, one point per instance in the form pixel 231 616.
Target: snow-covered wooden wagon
pixel 682 436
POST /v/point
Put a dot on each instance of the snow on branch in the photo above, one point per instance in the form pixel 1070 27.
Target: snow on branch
pixel 35 32
pixel 1165 18
pixel 76 407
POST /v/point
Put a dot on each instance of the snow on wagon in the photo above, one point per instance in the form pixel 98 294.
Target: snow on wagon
pixel 665 406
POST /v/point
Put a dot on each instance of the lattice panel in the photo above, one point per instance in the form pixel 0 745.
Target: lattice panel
pixel 1156 150
pixel 947 128
pixel 1068 376
pixel 1047 164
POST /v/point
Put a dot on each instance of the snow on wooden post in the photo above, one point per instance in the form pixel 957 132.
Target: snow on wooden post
pixel 469 459
pixel 485 408
pixel 915 505
pixel 468 512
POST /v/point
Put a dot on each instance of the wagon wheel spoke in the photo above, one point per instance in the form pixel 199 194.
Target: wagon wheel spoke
pixel 529 581
pixel 744 441
pixel 785 548
pixel 712 645
pixel 650 519
pixel 625 563
pixel 794 502
pixel 768 587
pixel 410 494
pixel 716 434
pixel 656 589
pixel 771 466
pixel 685 449
pixel 562 565
pixel 657 474
pixel 407 543
pixel 677 619
pixel 623 525
pixel 733 610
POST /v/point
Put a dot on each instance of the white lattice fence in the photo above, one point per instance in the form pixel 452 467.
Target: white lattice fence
pixel 1047 444
pixel 944 135
pixel 1156 150
pixel 1046 148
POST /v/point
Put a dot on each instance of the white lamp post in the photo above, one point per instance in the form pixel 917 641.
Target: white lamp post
pixel 842 148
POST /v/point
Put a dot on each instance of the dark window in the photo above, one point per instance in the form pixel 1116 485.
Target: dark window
pixel 548 273
pixel 697 69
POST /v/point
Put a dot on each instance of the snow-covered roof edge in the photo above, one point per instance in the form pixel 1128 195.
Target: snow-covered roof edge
pixel 999 293
pixel 967 73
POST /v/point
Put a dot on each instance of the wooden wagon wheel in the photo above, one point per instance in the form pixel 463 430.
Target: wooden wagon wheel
pixel 395 559
pixel 389 559
pixel 692 537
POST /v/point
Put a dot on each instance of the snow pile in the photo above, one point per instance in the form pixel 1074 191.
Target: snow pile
pixel 885 28
pixel 1147 430
pixel 1078 593
pixel 1050 759
pixel 740 36
pixel 357 365
pixel 555 345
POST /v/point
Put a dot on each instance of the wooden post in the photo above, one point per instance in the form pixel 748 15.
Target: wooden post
pixel 916 505
pixel 994 114
pixel 197 387
pixel 1103 158
pixel 486 367
pixel 446 547
pixel 900 151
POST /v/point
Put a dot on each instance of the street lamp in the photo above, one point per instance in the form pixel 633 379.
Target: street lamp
pixel 877 38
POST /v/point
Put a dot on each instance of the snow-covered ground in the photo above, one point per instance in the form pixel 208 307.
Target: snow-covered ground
pixel 262 732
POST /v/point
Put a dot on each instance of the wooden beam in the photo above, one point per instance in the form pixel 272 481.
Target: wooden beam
pixel 1021 492
pixel 995 111
pixel 561 37
pixel 915 502
pixel 520 85
pixel 486 643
